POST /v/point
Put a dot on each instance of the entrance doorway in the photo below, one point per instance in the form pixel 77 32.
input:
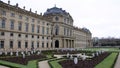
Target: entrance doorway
pixel 56 44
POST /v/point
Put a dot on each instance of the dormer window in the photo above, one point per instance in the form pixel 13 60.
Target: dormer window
pixel 12 14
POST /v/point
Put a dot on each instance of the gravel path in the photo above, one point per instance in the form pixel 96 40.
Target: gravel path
pixel 117 65
pixel 44 64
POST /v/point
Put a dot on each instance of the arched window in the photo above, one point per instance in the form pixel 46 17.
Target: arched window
pixel 56 44
pixel 56 30
pixel 56 18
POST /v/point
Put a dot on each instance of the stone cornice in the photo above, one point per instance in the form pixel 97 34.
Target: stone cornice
pixel 20 10
pixel 79 29
pixel 4 30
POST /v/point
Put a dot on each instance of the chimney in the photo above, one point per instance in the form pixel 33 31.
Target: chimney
pixel 24 7
pixel 41 14
pixel 30 9
pixel 16 4
pixel 8 1
pixel 36 12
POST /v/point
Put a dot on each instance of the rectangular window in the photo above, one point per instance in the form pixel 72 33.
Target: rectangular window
pixel 32 27
pixel 64 31
pixel 26 36
pixel 32 44
pixel 67 32
pixel 12 24
pixel 43 23
pixel 38 22
pixel 47 24
pixel 3 23
pixel 19 26
pixel 33 20
pixel 37 44
pixel 47 37
pixel 42 37
pixel 19 44
pixel 43 30
pixel 26 27
pixel 70 32
pixel 38 37
pixel 2 33
pixel 19 35
pixel 12 14
pixel 4 12
pixel 51 31
pixel 32 36
pixel 47 30
pixel 27 19
pixel 11 44
pixel 47 45
pixel 26 44
pixel 1 44
pixel 20 16
pixel 38 29
pixel 42 44
pixel 11 34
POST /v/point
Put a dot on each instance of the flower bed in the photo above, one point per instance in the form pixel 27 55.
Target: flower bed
pixel 21 60
pixel 89 63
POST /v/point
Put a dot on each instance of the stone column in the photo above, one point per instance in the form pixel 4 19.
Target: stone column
pixel 70 43
pixel 73 44
pixel 62 43
pixel 53 44
pixel 66 43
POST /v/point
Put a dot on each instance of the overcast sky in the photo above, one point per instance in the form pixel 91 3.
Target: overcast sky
pixel 101 17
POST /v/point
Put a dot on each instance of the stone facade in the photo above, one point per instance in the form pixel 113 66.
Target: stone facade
pixel 24 30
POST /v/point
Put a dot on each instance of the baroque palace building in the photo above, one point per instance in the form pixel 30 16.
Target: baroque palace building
pixel 21 29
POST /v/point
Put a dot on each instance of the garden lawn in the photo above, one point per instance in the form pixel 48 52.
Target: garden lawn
pixel 108 62
pixel 106 49
pixel 32 64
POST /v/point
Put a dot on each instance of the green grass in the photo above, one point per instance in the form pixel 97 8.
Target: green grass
pixel 107 49
pixel 55 64
pixel 32 64
pixel 107 62
pixel 49 56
